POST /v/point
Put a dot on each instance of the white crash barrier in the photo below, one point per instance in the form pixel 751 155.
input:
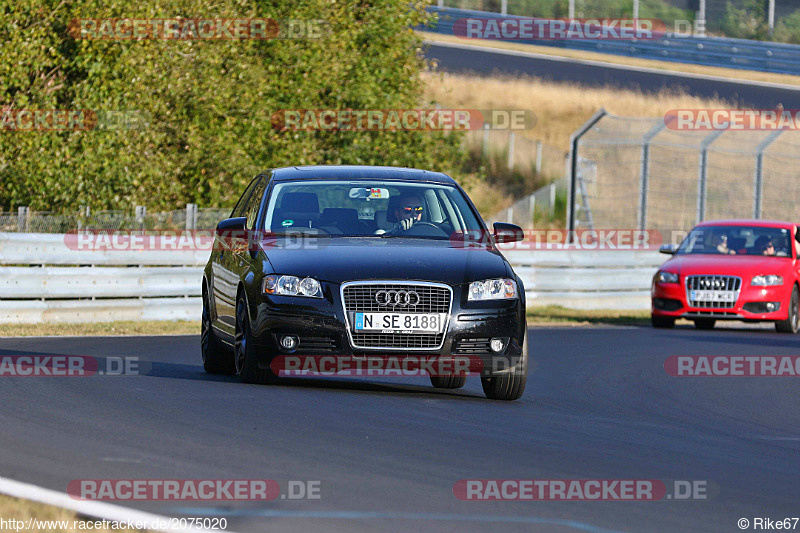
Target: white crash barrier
pixel 43 279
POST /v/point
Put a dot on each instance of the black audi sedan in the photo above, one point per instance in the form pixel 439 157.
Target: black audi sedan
pixel 362 263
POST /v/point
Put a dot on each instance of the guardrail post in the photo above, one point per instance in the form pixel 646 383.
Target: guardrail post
pixel 22 219
pixel 573 165
pixel 644 176
pixel 702 176
pixel 191 216
pixel 511 150
pixel 759 178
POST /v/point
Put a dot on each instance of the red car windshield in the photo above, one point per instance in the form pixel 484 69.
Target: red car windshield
pixel 737 240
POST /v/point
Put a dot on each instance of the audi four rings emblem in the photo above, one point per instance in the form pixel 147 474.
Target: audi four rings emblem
pixel 397 298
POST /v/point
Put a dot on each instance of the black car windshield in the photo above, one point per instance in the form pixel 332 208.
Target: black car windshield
pixel 737 240
pixel 379 208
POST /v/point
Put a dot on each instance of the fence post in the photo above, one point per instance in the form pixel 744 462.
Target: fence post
pixel 191 216
pixel 644 176
pixel 440 3
pixel 702 176
pixel 531 209
pixel 511 150
pixel 573 167
pixel 486 140
pixel 504 7
pixel 553 199
pixel 141 212
pixel 759 181
pixel 22 219
pixel 538 157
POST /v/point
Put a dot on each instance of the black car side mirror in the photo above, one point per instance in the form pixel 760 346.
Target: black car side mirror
pixel 668 249
pixel 232 224
pixel 504 232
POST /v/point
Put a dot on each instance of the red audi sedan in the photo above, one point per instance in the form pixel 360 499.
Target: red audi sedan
pixel 731 270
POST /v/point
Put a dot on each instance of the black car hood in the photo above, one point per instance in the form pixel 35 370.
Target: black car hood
pixel 341 259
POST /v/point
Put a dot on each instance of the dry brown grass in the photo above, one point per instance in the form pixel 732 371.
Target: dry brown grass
pixel 560 108
pixel 176 327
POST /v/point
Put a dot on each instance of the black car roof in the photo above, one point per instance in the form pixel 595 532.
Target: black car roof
pixel 356 172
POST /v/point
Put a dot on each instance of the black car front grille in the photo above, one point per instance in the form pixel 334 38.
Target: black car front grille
pixel 711 282
pixel 361 298
pixel 312 345
pixel 472 345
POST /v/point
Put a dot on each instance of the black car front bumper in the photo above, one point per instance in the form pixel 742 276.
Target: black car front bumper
pixel 321 328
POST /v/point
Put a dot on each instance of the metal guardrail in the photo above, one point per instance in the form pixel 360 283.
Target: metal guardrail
pixel 42 279
pixel 710 51
pixel 102 290
pixel 584 279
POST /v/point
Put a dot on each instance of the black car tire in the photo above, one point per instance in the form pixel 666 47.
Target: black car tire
pixel 792 322
pixel 511 384
pixel 662 321
pixel 217 359
pixel 448 382
pixel 704 323
pixel 244 350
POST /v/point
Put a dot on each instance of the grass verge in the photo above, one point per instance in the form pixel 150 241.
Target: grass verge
pixel 180 327
pixel 61 520
pixel 557 315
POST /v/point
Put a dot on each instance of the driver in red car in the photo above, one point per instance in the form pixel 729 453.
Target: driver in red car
pixel 764 246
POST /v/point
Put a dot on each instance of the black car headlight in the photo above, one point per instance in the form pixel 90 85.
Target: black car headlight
pixel 493 289
pixel 666 277
pixel 292 286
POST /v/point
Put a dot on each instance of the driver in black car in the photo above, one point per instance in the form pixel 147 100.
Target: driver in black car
pixel 408 211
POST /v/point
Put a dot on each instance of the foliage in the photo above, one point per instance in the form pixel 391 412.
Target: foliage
pixel 207 103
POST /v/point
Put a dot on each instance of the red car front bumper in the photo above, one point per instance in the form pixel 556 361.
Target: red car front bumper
pixel 670 300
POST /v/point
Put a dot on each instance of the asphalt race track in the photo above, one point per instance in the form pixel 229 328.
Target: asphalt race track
pixel 486 61
pixel 599 405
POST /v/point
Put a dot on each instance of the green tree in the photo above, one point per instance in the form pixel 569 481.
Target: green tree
pixel 209 102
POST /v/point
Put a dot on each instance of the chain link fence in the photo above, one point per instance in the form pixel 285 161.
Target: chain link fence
pixel 25 220
pixel 636 173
